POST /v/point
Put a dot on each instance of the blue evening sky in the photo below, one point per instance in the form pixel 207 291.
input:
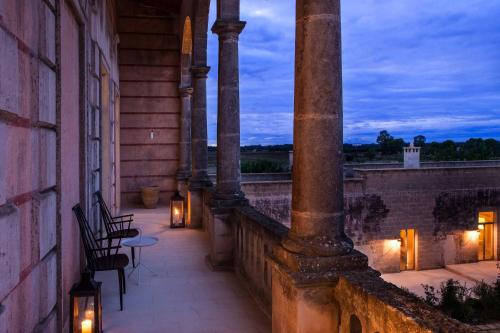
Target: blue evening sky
pixel 411 67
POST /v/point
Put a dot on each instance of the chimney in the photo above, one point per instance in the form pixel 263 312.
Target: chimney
pixel 411 157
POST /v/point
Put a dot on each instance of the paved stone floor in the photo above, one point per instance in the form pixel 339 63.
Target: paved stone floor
pixel 184 296
pixel 465 273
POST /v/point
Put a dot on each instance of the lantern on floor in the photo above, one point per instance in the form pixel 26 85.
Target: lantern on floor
pixel 85 306
pixel 177 211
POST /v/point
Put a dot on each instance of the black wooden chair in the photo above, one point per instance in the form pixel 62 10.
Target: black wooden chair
pixel 117 227
pixel 101 258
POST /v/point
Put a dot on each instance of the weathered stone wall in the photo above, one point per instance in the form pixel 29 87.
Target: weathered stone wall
pixel 436 202
pixel 271 198
pixel 28 123
pixel 150 105
pixel 440 203
pixel 44 95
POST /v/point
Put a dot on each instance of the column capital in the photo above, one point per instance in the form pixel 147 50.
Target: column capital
pixel 200 72
pixel 186 91
pixel 228 28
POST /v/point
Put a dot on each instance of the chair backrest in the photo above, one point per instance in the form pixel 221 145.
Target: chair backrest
pixel 106 214
pixel 91 246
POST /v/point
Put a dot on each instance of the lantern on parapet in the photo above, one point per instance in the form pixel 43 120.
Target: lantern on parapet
pixel 177 211
pixel 85 306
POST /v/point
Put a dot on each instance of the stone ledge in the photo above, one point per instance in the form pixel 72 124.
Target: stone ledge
pixel 407 304
pixel 315 271
pixel 262 220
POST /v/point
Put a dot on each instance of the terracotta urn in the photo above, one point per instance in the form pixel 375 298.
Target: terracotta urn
pixel 150 196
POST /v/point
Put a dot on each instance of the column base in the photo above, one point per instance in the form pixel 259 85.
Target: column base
pixel 218 267
pixel 228 201
pixel 303 290
pixel 221 237
pixel 183 186
pixel 199 183
pixel 220 231
pixel 195 208
pixel 195 201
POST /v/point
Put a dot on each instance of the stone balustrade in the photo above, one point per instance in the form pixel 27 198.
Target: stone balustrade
pixel 349 298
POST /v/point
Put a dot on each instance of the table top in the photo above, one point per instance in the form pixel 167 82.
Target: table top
pixel 140 241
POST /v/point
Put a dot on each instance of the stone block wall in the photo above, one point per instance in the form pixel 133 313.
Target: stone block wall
pixel 150 106
pixel 47 109
pixel 272 198
pixel 28 123
pixel 438 202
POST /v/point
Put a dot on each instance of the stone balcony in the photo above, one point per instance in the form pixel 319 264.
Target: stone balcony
pixel 185 295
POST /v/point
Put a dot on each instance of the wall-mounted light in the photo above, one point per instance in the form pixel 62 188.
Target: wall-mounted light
pixel 472 235
pixel 391 245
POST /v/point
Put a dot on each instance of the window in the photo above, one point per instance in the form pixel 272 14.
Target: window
pixel 407 261
pixel 486 227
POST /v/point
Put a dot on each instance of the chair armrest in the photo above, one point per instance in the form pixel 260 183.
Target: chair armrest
pixel 120 222
pixel 103 238
pixel 123 216
pixel 107 248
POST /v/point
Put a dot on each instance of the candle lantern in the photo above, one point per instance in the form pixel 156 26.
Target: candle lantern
pixel 177 211
pixel 85 306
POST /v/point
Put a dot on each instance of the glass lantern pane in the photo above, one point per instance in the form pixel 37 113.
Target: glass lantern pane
pixel 84 315
pixel 177 212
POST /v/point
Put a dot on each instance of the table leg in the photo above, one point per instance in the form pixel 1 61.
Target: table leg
pixel 139 270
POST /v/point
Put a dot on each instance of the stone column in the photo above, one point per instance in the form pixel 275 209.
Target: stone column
pixel 184 170
pixel 318 192
pixel 199 150
pixel 228 193
pixel 308 263
pixel 228 112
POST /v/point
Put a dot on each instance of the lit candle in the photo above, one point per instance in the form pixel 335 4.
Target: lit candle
pixel 89 314
pixel 176 212
pixel 87 326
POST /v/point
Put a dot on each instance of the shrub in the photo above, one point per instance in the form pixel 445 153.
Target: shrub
pixel 261 166
pixel 475 305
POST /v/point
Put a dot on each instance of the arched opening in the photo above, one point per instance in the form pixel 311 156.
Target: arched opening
pixel 186 53
pixel 355 325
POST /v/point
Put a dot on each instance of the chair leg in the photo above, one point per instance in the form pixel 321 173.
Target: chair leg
pixel 132 249
pixel 121 289
pixel 124 281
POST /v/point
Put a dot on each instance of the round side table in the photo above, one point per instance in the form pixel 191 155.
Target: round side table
pixel 140 242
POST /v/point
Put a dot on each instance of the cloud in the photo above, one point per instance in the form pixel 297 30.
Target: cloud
pixel 412 67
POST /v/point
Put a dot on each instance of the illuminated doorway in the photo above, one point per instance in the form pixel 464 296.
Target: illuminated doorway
pixel 486 242
pixel 407 262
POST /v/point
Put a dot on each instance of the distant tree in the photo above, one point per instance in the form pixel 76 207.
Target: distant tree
pixel 493 147
pixel 396 146
pixel 386 142
pixel 419 141
pixel 448 151
pixel 477 149
pixel 371 152
pixel 384 137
